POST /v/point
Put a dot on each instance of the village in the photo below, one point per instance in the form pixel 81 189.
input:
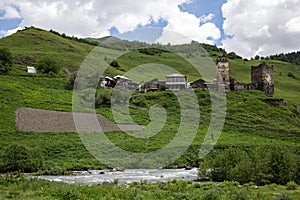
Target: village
pixel 262 78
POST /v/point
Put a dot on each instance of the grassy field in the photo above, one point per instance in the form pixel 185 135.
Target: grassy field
pixel 249 122
pixel 20 188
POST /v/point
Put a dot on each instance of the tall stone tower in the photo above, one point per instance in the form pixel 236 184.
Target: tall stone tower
pixel 223 72
pixel 262 78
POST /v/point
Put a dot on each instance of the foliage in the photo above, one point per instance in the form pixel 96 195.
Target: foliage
pixel 103 98
pixel 291 75
pixel 48 66
pixel 71 81
pixel 291 185
pixel 233 55
pixel 18 157
pixel 32 188
pixel 6 61
pixel 82 40
pixel 262 165
pixel 293 57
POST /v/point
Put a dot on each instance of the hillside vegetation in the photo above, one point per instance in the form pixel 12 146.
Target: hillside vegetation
pixel 251 121
pixel 30 45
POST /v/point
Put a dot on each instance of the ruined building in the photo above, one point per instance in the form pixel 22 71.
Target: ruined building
pixel 262 78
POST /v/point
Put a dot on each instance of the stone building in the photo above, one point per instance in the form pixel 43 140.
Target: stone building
pixel 223 72
pixel 201 84
pixel 262 78
pixel 154 85
pixel 120 82
pixel 176 82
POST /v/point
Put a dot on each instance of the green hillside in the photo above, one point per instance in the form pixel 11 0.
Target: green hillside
pixel 32 44
pixel 250 120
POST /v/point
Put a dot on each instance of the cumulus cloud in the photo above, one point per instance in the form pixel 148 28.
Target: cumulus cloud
pixel 94 18
pixel 189 25
pixel 10 12
pixel 262 27
pixel 207 18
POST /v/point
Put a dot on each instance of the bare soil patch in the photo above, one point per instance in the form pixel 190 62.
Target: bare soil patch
pixel 37 120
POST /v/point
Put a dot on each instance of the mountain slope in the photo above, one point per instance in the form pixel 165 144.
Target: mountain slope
pixel 32 44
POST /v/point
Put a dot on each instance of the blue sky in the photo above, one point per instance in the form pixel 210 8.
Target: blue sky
pixel 205 7
pixel 197 8
pixel 248 28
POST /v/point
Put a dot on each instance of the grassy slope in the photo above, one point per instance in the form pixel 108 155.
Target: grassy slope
pixel 249 120
pixel 36 44
pixel 285 87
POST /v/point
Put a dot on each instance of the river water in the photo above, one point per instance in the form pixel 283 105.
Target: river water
pixel 127 176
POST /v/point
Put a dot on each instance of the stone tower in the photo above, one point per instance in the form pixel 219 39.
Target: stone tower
pixel 262 78
pixel 223 72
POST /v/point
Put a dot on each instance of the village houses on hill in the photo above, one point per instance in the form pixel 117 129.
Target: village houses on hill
pixel 262 78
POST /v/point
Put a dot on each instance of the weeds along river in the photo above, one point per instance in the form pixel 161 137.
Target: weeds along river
pixel 127 176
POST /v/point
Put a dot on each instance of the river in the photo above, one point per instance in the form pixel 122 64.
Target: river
pixel 127 176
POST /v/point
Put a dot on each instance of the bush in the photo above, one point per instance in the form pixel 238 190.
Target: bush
pixel 6 61
pixel 17 157
pixel 291 75
pixel 48 66
pixel 291 185
pixel 103 98
pixel 284 196
pixel 71 81
pixel 262 165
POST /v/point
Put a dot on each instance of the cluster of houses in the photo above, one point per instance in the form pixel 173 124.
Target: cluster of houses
pixel 262 78
pixel 174 82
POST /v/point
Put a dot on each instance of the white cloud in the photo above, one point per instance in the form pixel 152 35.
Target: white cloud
pixel 10 12
pixel 265 27
pixel 293 26
pixel 207 18
pixel 189 25
pixel 94 18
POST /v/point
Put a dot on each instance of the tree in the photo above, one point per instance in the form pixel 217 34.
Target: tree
pixel 47 65
pixel 6 61
pixel 17 157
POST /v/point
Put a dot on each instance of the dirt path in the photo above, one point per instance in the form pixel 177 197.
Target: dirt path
pixel 36 120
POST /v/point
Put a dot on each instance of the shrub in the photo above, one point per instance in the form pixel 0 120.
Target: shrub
pixel 71 81
pixel 262 165
pixel 284 196
pixel 6 61
pixel 17 157
pixel 291 75
pixel 103 98
pixel 48 66
pixel 291 185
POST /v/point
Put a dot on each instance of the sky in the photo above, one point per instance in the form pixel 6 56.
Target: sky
pixel 249 28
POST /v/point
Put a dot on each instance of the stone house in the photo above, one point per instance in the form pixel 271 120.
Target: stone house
pixel 200 83
pixel 154 85
pixel 262 78
pixel 176 82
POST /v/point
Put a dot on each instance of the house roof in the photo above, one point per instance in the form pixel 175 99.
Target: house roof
pixel 175 75
pixel 121 77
